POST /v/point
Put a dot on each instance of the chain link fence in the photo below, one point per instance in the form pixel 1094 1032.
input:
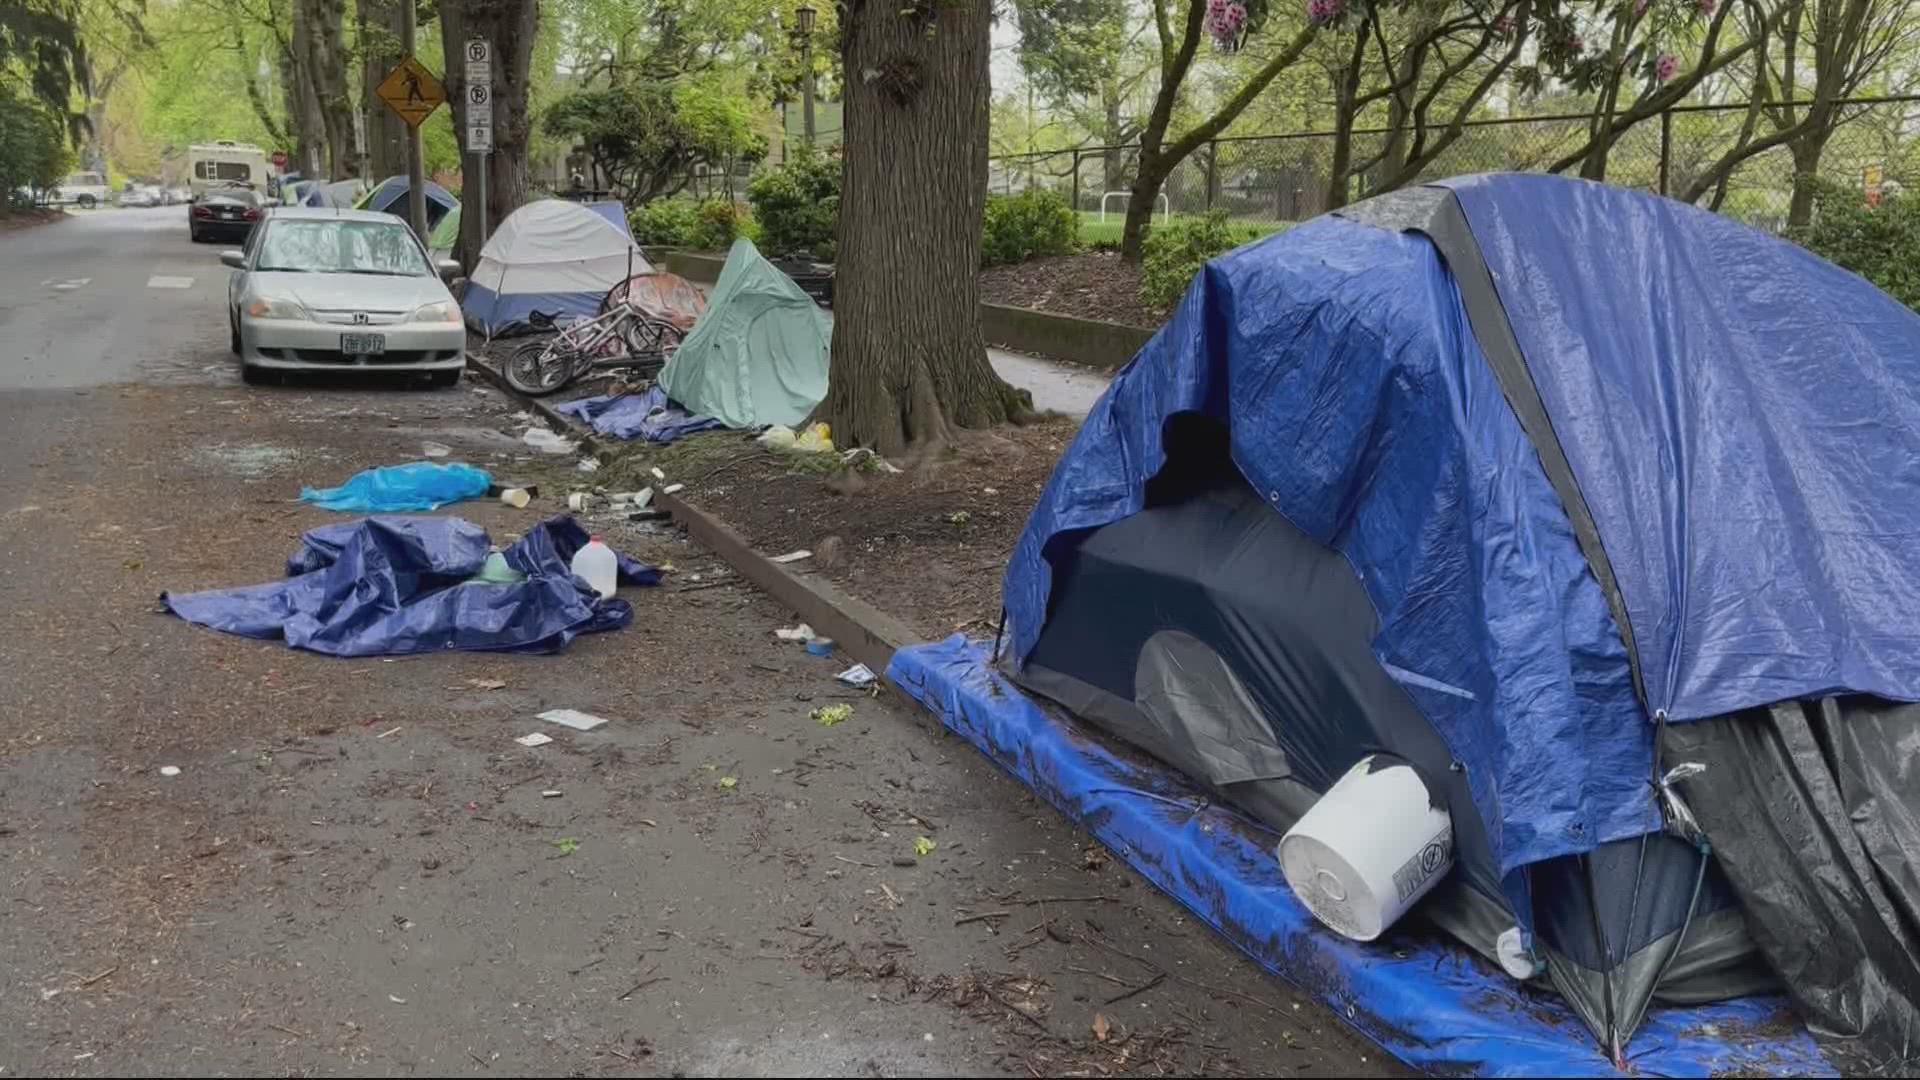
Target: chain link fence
pixel 1275 180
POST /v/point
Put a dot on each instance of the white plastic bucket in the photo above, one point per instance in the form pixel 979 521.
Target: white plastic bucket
pixel 1369 849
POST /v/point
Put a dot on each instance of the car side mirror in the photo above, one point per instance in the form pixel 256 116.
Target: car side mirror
pixel 448 268
pixel 235 259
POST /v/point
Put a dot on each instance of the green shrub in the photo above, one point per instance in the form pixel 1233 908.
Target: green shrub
pixel 665 222
pixel 1880 243
pixel 797 205
pixel 1026 226
pixel 716 223
pixel 1173 254
pixel 678 222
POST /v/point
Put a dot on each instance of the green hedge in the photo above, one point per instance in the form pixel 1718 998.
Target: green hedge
pixel 684 223
pixel 1173 254
pixel 1880 243
pixel 1029 225
pixel 798 205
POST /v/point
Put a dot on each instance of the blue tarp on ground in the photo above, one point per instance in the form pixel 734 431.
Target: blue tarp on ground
pixel 1425 1000
pixel 647 415
pixel 387 586
pixel 392 489
pixel 1361 406
pixel 1759 561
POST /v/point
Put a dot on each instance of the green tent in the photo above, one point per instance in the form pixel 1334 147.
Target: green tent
pixel 446 234
pixel 759 354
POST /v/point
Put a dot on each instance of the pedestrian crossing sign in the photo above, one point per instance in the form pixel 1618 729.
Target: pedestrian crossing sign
pixel 412 91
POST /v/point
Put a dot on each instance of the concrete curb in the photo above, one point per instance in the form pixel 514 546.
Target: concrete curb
pixel 861 630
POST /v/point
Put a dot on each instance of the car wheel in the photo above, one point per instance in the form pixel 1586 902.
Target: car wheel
pixel 255 375
pixel 193 233
pixel 86 202
pixel 233 336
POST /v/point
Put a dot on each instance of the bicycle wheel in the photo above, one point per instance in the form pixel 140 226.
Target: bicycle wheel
pixel 538 368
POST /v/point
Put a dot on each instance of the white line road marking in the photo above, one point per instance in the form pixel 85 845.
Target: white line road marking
pixel 72 283
pixel 160 281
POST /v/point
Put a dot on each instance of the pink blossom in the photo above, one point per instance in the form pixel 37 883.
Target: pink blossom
pixel 1503 25
pixel 1706 7
pixel 1224 20
pixel 1665 66
pixel 1323 10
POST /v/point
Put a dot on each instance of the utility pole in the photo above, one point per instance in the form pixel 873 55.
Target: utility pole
pixel 416 167
pixel 804 16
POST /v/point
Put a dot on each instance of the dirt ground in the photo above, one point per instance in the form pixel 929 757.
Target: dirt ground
pixel 356 870
pixel 27 219
pixel 1091 285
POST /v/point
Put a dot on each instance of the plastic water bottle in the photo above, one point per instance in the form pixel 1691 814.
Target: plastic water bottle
pixel 598 565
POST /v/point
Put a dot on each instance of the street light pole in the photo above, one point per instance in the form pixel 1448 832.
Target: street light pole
pixel 804 16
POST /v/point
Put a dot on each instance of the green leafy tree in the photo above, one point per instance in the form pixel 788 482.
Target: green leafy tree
pixel 646 136
pixel 42 56
pixel 33 146
pixel 798 204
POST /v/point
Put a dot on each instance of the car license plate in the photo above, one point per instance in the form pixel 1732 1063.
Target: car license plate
pixel 363 344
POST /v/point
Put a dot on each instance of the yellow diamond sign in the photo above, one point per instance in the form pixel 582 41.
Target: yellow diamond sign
pixel 412 91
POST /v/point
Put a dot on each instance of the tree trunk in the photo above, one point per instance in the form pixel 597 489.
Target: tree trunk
pixel 380 53
pixel 1149 173
pixel 303 104
pixel 510 25
pixel 327 67
pixel 908 364
pixel 1806 151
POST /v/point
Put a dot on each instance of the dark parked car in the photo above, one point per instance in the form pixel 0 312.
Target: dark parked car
pixel 224 215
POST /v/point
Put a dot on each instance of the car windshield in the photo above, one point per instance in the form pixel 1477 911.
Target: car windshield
pixel 341 247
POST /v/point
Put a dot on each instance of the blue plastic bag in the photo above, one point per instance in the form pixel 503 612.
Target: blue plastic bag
pixel 417 485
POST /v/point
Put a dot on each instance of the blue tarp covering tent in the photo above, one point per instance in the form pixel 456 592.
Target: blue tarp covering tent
pixel 1530 481
pixel 390 196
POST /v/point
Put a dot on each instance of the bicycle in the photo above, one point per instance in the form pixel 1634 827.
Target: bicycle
pixel 623 338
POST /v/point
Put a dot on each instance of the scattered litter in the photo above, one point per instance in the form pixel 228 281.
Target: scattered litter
pixel 581 501
pixel 518 498
pixel 1101 1027
pixel 434 449
pixel 858 676
pixel 396 1000
pixel 829 715
pixel 816 439
pixel 671 488
pixel 729 782
pixel 989 491
pixel 550 793
pixel 497 571
pixel 959 517
pixel 657 474
pixel 547 442
pixel 923 847
pixel 589 464
pixel 854 457
pixel 647 415
pixel 803 632
pixel 793 556
pixel 534 738
pixel 567 845
pixel 487 684
pixel 415 486
pixel 820 646
pixel 642 497
pixel 389 731
pixel 649 515
pixel 169 770
pixel 573 718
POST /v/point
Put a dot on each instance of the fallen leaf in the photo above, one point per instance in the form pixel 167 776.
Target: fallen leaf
pixel 1101 1026
pixel 829 715
pixel 923 846
pixel 567 845
pixel 487 684
pixel 396 1000
pixel 729 781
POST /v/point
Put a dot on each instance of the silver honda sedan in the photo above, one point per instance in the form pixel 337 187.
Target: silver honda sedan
pixel 329 290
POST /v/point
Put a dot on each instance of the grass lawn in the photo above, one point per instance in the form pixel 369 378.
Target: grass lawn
pixel 1096 233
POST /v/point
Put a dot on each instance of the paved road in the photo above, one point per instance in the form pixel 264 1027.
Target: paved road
pixel 86 301
pixel 356 871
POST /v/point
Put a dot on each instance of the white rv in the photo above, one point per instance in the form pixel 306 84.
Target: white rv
pixel 224 164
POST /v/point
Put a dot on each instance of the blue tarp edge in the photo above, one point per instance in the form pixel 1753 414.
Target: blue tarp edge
pixel 1425 1000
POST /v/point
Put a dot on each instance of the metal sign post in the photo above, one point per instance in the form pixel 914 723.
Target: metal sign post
pixel 479 56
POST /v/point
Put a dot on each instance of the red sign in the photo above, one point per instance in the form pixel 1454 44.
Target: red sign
pixel 279 159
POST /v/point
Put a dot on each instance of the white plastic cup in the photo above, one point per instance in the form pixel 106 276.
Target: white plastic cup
pixel 1369 849
pixel 516 498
